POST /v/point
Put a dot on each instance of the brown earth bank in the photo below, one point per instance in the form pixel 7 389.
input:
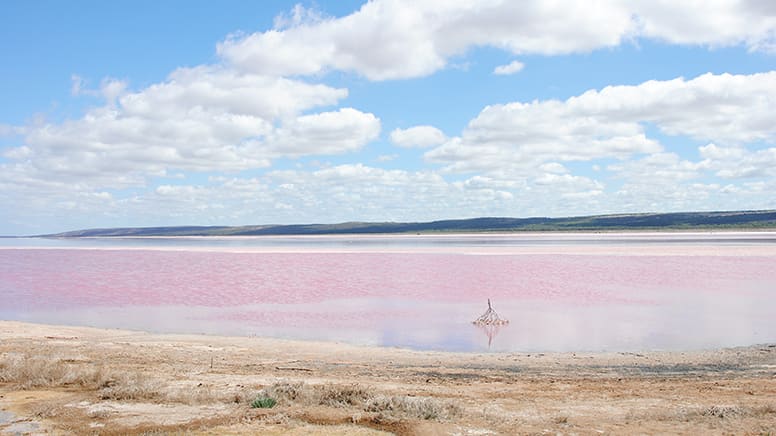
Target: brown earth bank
pixel 77 380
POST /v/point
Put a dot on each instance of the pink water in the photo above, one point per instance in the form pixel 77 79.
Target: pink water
pixel 420 300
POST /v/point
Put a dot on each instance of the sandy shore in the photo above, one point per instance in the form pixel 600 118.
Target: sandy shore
pixel 74 380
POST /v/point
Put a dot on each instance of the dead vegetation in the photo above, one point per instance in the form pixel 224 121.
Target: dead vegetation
pixel 730 411
pixel 356 397
pixel 33 371
pixel 413 407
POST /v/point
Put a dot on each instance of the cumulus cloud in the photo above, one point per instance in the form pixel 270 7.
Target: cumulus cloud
pixel 666 169
pixel 666 181
pixel 418 136
pixel 387 157
pixel 339 193
pixel 510 68
pixel 610 123
pixel 8 130
pixel 716 23
pixel 738 162
pixel 205 118
pixel 394 39
pixel 336 132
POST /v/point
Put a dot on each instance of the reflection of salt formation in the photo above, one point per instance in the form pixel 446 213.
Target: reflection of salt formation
pixel 490 317
pixel 490 331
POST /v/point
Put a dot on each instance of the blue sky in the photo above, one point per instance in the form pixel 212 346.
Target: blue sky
pixel 177 113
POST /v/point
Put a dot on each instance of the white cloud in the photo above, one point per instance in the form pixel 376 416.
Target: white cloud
pixel 201 119
pixel 665 169
pixel 341 131
pixel 418 136
pixel 299 15
pixel 738 162
pixel 667 182
pixel 724 108
pixel 663 182
pixel 110 89
pixel 610 123
pixel 519 137
pixel 17 153
pixel 553 167
pixel 391 39
pixel 568 182
pixel 510 68
pixel 9 130
pixel 715 23
pixel 394 39
pixel 78 85
pixel 387 157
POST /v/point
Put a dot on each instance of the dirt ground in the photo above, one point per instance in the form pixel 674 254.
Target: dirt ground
pixel 74 380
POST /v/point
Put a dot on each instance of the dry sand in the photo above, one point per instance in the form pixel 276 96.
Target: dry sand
pixel 76 380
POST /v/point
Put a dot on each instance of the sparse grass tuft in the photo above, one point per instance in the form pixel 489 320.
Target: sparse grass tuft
pixel 263 403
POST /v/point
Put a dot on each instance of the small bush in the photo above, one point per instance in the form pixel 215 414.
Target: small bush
pixel 341 396
pixel 415 407
pixel 285 391
pixel 263 403
pixel 133 386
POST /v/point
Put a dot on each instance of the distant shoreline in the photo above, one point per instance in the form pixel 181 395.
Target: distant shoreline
pixel 693 221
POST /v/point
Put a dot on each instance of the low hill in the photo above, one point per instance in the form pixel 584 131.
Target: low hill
pixel 765 219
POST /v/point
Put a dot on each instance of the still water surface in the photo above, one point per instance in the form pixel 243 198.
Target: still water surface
pixel 561 292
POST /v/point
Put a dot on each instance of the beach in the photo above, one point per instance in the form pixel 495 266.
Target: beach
pixel 80 380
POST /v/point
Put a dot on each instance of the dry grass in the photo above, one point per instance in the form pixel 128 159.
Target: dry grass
pixel 736 411
pixel 703 413
pixel 341 395
pixel 355 396
pixel 29 372
pixel 413 407
pixel 287 392
pixel 204 394
pixel 134 386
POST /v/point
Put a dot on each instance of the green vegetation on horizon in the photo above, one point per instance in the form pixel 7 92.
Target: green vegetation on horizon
pixel 765 219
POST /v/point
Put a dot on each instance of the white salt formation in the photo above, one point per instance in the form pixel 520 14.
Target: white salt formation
pixel 490 317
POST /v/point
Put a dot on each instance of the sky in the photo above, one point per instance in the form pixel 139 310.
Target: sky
pixel 195 112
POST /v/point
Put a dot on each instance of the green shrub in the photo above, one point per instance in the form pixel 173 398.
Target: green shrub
pixel 263 403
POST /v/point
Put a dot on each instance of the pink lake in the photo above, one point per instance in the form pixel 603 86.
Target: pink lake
pixel 562 293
